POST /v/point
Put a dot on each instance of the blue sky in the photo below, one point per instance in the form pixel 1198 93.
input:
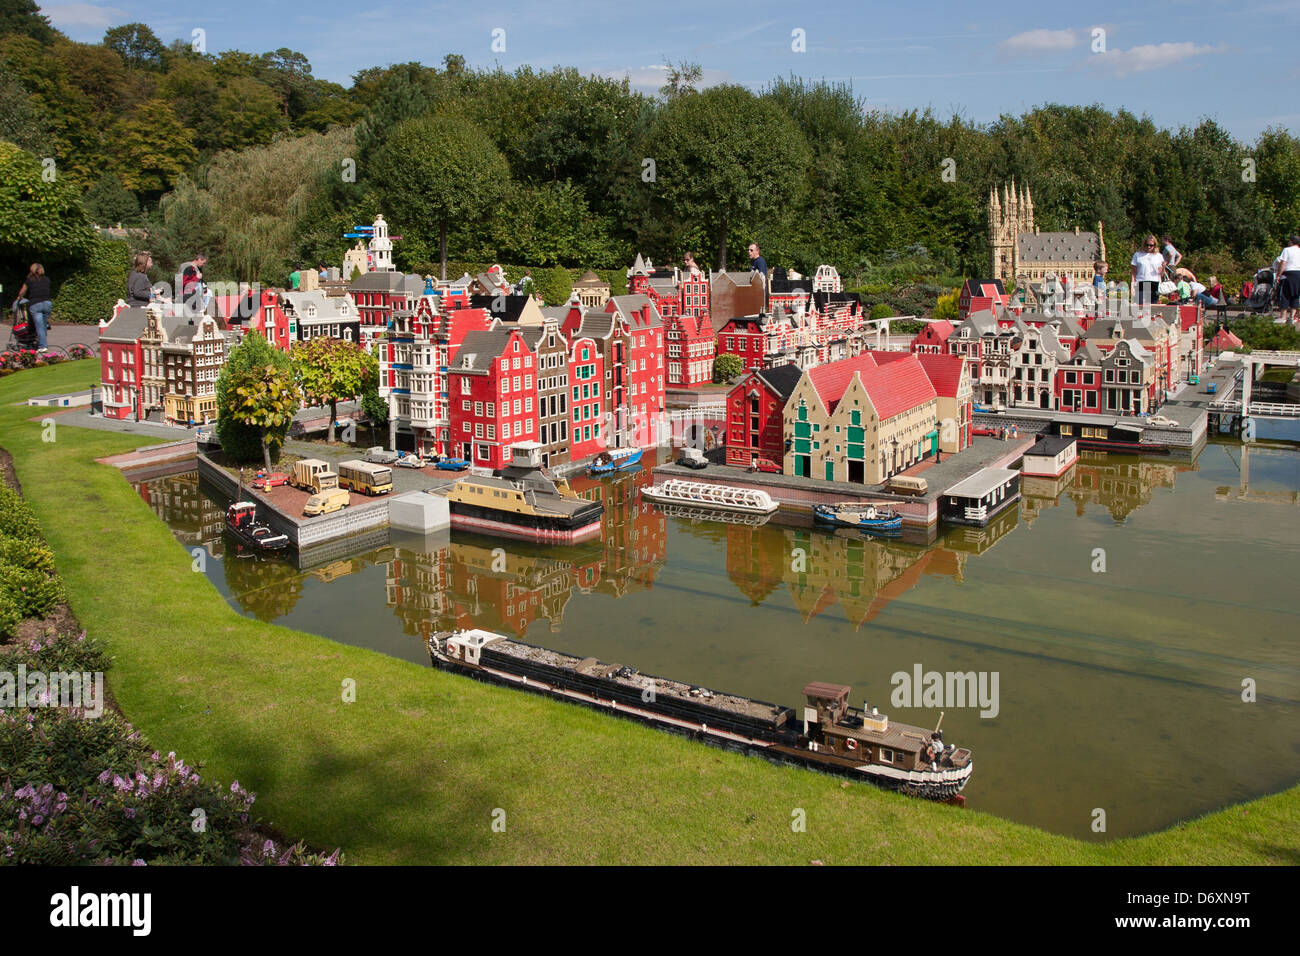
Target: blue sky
pixel 1178 62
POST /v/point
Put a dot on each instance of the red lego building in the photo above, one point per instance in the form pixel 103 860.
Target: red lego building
pixel 682 299
pixel 586 375
pixel 378 294
pixel 492 392
pixel 980 294
pixel 754 420
pixel 933 339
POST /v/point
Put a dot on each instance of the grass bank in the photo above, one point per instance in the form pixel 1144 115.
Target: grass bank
pixel 413 771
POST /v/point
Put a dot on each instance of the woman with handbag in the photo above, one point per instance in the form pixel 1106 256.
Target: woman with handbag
pixel 1146 270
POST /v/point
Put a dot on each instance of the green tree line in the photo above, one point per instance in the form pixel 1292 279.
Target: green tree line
pixel 252 159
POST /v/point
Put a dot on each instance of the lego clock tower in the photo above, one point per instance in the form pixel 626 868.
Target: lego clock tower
pixel 381 247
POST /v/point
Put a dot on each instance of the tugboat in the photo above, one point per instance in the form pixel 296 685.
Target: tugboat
pixel 243 526
pixel 867 517
pixel 613 459
pixel 834 737
pixel 524 501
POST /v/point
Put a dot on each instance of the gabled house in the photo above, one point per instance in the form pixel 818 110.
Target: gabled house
pixel 979 295
pixel 492 392
pixel 376 295
pixel 755 425
pixel 933 339
pixel 315 315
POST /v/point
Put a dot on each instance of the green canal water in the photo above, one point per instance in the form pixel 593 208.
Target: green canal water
pixel 1119 690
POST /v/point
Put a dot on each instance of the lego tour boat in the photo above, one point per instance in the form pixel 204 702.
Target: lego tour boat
pixel 243 526
pixel 523 501
pixel 613 459
pixel 832 737
pixel 867 517
pixel 704 495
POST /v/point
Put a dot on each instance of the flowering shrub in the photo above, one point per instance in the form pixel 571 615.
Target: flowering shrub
pixel 80 351
pixel 83 791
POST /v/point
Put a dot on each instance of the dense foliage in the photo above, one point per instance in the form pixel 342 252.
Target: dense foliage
pixel 262 166
pixel 256 401
pixel 329 371
pixel 88 293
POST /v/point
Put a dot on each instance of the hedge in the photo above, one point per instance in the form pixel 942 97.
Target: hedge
pixel 89 294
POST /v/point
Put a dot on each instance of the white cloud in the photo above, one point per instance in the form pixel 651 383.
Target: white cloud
pixel 653 76
pixel 1035 42
pixel 1151 56
pixel 70 17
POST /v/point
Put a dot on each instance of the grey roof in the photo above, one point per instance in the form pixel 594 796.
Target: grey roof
pixel 393 281
pixel 981 483
pixel 480 348
pixel 589 280
pixel 1049 247
pixel 980 322
pixel 627 304
pixel 329 308
pixel 129 325
pixel 1049 446
pixel 1090 354
pixel 782 378
pixel 663 286
pixel 595 324
pixel 557 312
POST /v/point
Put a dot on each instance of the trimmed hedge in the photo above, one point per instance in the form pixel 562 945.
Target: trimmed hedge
pixel 89 294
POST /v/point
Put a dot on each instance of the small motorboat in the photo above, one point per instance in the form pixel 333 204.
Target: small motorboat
pixel 243 526
pixel 864 516
pixel 614 459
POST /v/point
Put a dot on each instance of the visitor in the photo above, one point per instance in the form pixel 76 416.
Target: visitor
pixel 138 290
pixel 1145 270
pixel 756 261
pixel 295 278
pixel 1099 280
pixel 1183 291
pixel 688 264
pixel 35 290
pixel 1171 255
pixel 1287 270
pixel 189 284
pixel 322 272
pixel 525 285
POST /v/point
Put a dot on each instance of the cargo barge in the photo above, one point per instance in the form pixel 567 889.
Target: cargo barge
pixel 832 736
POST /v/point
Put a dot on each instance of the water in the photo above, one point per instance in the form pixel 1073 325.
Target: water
pixel 1119 690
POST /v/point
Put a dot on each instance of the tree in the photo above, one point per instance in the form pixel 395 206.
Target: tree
pixel 376 409
pixel 138 46
pixel 24 18
pixel 555 285
pixel 39 218
pixel 256 401
pixel 729 158
pixel 332 370
pixel 946 307
pixel 726 367
pixel 21 123
pixel 436 170
pixel 680 79
pixel 108 203
pixel 151 148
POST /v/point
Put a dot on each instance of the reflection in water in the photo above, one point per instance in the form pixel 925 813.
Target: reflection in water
pixel 1118 682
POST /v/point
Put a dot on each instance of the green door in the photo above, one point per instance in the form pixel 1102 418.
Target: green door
pixel 801 465
pixel 830 471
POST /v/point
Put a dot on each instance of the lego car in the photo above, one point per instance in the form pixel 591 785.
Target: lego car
pixel 453 464
pixel 266 481
pixel 766 465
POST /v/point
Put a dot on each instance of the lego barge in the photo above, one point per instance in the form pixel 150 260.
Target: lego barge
pixel 833 736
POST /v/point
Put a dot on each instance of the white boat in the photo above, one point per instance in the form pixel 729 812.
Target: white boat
pixel 699 494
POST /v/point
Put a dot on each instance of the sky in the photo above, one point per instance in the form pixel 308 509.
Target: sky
pixel 1177 62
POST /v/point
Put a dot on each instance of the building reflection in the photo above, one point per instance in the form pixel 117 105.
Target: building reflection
pixel 1120 485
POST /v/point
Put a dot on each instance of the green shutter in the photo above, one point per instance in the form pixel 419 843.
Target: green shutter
pixel 802 445
pixel 802 430
pixel 855 451
pixel 857 435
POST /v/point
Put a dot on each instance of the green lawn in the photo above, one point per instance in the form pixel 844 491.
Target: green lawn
pixel 413 771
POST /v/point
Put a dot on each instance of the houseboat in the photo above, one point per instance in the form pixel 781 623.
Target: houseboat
pixel 1051 457
pixel 860 515
pixel 610 461
pixel 1101 434
pixel 832 736
pixel 702 494
pixel 523 501
pixel 243 526
pixel 977 499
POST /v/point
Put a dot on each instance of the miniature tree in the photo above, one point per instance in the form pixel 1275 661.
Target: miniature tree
pixel 946 307
pixel 555 285
pixel 332 370
pixel 882 311
pixel 376 409
pixel 262 397
pixel 240 440
pixel 726 367
pixel 435 170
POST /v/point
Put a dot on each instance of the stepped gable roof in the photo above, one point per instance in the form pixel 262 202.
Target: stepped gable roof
pixel 898 386
pixel 830 380
pixel 630 306
pixel 782 379
pixel 129 325
pixel 479 348
pixel 511 306
pixel 1052 343
pixel 944 372
pixel 1049 247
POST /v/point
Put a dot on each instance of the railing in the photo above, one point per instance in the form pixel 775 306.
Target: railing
pixel 977 514
pixel 705 411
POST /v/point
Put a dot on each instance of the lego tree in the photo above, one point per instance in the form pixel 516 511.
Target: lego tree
pixel 726 367
pixel 332 370
pixel 256 401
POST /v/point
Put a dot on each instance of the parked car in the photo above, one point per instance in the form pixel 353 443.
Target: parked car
pixel 379 456
pixel 1212 388
pixel 765 464
pixel 693 458
pixel 1162 421
pixel 327 502
pixel 409 461
pixel 907 485
pixel 453 464
pixel 986 432
pixel 266 481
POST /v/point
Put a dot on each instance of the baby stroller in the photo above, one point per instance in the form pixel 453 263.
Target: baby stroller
pixel 22 335
pixel 1263 295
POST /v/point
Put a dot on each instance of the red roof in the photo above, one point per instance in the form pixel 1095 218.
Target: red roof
pixel 898 386
pixel 830 380
pixel 884 357
pixel 1224 339
pixel 944 372
pixel 936 332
